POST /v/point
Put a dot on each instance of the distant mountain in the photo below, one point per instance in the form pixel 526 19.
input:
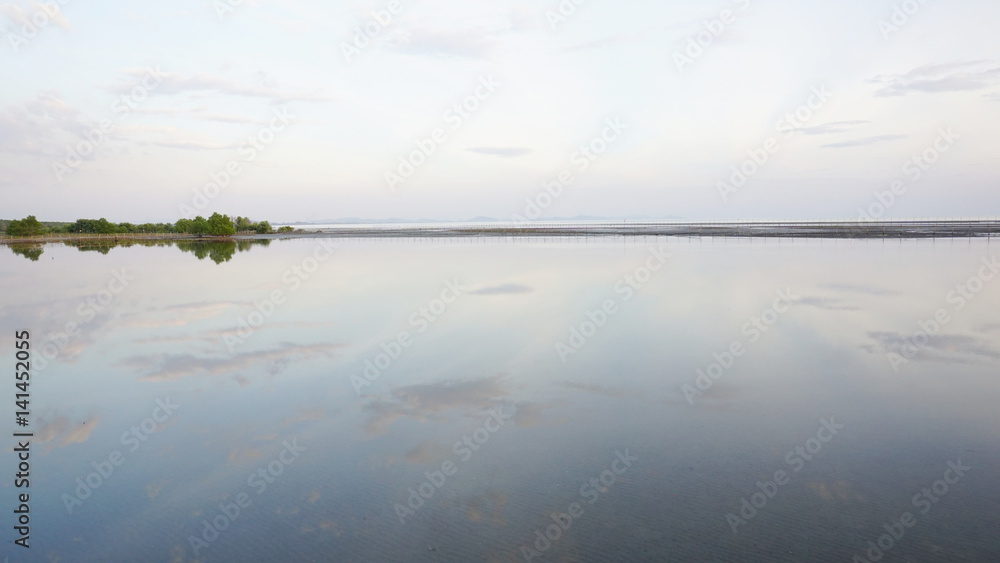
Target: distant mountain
pixel 477 219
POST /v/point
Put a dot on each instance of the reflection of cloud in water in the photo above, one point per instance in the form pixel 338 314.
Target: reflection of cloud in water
pixel 828 303
pixel 430 451
pixel 835 490
pixel 718 398
pixel 217 336
pixel 162 367
pixel 488 507
pixel 532 414
pixel 180 314
pixel 62 432
pixel 866 289
pixel 599 389
pixel 426 400
pixel 949 348
pixel 244 455
pixel 52 317
pixel 505 289
pixel 305 415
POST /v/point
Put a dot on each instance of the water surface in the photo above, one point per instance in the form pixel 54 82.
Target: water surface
pixel 325 384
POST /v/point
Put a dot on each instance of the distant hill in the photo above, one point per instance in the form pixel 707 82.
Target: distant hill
pixel 477 219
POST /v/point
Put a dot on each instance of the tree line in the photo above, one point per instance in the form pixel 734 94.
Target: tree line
pixel 216 225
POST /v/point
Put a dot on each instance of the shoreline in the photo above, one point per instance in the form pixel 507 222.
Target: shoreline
pixel 818 229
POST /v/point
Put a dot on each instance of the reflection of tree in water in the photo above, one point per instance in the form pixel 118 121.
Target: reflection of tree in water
pixel 92 245
pixel 31 251
pixel 219 251
pixel 105 245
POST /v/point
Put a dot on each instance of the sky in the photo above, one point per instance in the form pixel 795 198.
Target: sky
pixel 436 109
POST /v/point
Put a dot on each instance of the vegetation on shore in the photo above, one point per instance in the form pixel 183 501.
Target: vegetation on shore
pixel 216 225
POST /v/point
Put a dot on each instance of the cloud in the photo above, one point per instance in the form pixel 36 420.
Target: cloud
pixel 43 125
pixel 22 16
pixel 948 77
pixel 31 127
pixel 201 83
pixel 508 152
pixel 865 141
pixel 201 114
pixel 525 18
pixel 469 43
pixel 171 137
pixel 832 127
pixel 604 42
pixel 505 289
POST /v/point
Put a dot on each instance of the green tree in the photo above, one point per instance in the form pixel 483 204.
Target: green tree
pixel 262 228
pixel 29 226
pixel 199 226
pixel 244 224
pixel 221 225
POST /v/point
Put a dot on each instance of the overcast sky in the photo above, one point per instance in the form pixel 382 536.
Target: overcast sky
pixel 124 109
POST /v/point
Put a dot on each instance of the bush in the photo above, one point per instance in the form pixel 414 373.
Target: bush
pixel 221 225
pixel 29 226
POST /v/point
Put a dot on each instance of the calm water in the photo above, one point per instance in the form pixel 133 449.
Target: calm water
pixel 461 400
